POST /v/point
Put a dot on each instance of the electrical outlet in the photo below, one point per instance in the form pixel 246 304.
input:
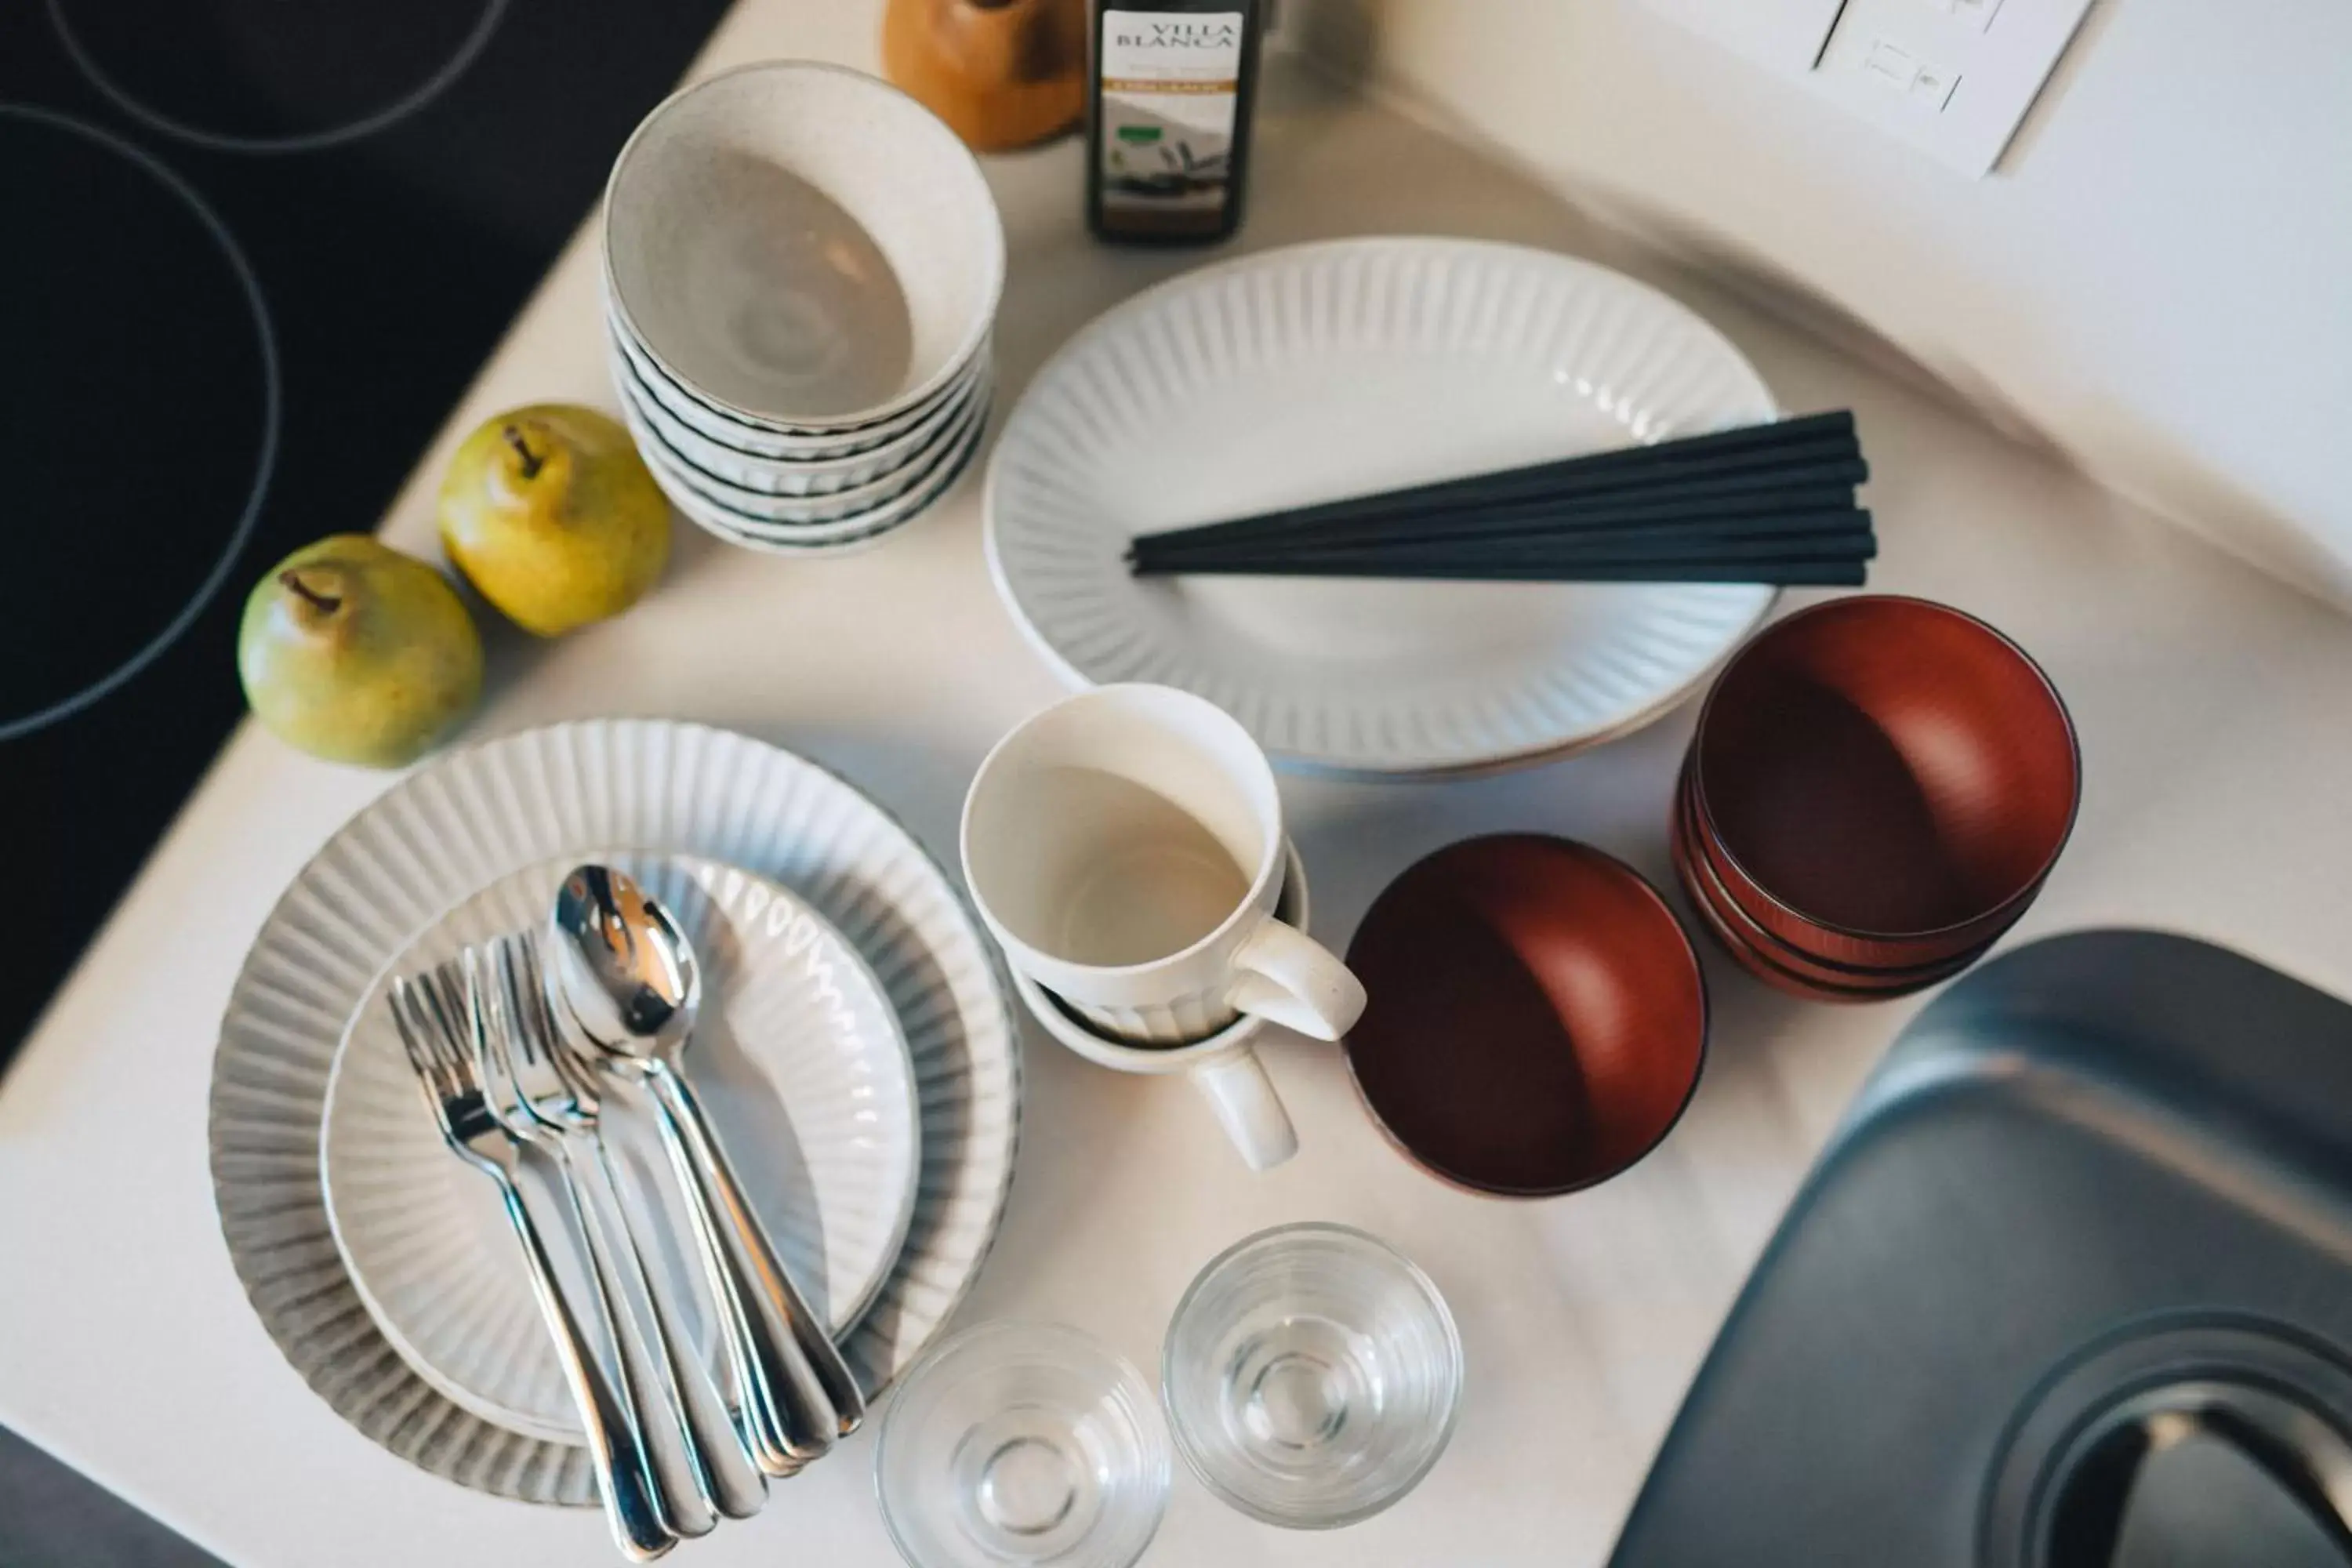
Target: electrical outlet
pixel 1952 76
pixel 1941 74
pixel 1896 69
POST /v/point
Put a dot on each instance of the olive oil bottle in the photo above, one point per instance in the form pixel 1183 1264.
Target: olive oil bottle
pixel 1170 87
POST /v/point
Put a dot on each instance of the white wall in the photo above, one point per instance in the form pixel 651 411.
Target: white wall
pixel 2158 278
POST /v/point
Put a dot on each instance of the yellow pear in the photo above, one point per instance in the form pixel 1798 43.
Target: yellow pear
pixel 356 653
pixel 550 514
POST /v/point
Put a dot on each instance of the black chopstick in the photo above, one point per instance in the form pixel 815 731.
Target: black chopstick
pixel 1849 533
pixel 1836 545
pixel 1753 450
pixel 1530 561
pixel 1438 530
pixel 1698 478
pixel 1697 511
pixel 1728 529
pixel 1782 574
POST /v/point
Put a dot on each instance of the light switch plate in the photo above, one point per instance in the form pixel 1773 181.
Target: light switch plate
pixel 1976 67
pixel 1954 78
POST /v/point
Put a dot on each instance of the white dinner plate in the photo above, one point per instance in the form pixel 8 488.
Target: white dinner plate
pixel 473 816
pixel 796 1056
pixel 1319 371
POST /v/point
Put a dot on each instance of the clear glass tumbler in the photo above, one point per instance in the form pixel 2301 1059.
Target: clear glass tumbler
pixel 1312 1375
pixel 1022 1443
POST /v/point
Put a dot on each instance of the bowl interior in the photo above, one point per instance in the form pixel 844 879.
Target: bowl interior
pixel 1536 1019
pixel 802 242
pixel 1886 766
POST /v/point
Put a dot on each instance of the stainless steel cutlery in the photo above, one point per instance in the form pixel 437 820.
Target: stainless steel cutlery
pixel 559 1088
pixel 441 1027
pixel 513 1047
pixel 629 980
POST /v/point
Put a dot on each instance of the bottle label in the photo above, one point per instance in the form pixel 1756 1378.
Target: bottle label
pixel 1171 86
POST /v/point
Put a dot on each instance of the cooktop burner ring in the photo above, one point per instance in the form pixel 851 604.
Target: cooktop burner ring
pixel 265 461
pixel 414 99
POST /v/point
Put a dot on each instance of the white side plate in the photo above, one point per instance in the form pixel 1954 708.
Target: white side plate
pixel 797 1057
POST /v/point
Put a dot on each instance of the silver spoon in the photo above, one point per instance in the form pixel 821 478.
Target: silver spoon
pixel 629 978
pixel 693 1442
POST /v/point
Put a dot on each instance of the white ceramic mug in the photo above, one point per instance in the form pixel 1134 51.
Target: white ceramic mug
pixel 1224 1066
pixel 1125 847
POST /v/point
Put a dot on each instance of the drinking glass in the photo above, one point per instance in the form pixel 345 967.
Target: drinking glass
pixel 1312 1375
pixel 1022 1443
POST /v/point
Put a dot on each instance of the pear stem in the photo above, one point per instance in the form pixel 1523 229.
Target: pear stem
pixel 531 461
pixel 325 604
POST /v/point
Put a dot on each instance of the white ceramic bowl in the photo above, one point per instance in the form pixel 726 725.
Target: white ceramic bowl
pixel 790 476
pixel 804 511
pixel 821 538
pixel 803 246
pixel 773 441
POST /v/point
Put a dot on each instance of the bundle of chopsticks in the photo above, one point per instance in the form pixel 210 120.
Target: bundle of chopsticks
pixel 1766 503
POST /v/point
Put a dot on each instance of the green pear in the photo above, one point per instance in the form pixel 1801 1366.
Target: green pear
pixel 554 519
pixel 356 653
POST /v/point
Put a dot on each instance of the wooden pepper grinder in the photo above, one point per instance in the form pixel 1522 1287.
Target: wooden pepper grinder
pixel 1002 73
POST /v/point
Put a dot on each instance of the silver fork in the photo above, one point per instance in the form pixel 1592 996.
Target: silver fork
pixel 429 1025
pixel 696 1452
pixel 680 1490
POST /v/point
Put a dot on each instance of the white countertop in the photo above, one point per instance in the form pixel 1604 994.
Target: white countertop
pixel 2213 708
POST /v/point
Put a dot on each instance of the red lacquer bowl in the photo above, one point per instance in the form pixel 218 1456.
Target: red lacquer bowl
pixel 1779 965
pixel 1883 781
pixel 1536 1019
pixel 1778 948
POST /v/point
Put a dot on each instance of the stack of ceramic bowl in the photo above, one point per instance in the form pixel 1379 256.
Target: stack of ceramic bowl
pixel 801 266
pixel 1876 791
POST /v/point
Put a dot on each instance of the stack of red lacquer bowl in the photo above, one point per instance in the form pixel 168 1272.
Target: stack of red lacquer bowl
pixel 1877 790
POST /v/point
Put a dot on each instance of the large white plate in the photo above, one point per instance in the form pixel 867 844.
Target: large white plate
pixel 798 1060
pixel 1319 371
pixel 466 820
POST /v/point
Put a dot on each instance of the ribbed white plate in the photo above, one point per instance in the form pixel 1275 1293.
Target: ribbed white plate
pixel 1320 371
pixel 472 818
pixel 797 1057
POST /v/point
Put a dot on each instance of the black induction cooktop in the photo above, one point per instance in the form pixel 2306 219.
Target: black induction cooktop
pixel 251 252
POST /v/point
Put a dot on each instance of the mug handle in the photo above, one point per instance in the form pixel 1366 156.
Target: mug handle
pixel 1290 979
pixel 1247 1108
